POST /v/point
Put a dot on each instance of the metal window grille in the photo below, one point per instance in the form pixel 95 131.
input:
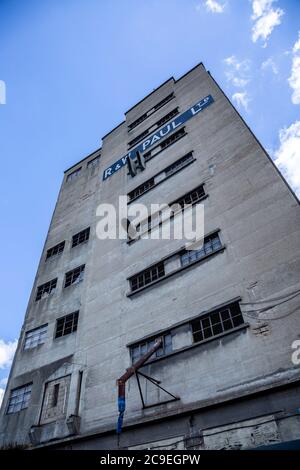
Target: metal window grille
pixel 81 237
pixel 45 289
pixel 74 276
pixel 151 111
pixel 217 322
pixel 35 337
pixel 19 399
pixel 55 250
pixel 182 162
pixel 66 325
pixel 211 244
pixel 138 350
pixel 147 276
pixel 192 197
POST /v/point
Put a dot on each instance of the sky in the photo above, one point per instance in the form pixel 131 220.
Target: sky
pixel 69 69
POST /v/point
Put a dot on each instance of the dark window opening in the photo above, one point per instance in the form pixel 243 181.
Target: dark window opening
pixel 74 276
pixel 166 143
pixel 141 189
pixel 55 395
pixel 151 111
pixel 191 197
pixel 147 276
pixel 217 322
pixel 81 237
pixel 45 289
pixel 66 325
pixel 55 250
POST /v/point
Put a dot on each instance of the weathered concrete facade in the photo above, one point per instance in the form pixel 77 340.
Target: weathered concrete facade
pixel 236 389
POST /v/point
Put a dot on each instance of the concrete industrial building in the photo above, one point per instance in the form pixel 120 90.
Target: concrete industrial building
pixel 228 313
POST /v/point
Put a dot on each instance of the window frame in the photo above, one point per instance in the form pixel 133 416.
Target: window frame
pixel 84 234
pixel 71 318
pixel 44 331
pixel 71 273
pixel 11 396
pixel 39 296
pixel 59 251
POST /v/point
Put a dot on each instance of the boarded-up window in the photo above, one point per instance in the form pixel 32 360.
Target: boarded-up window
pixel 55 400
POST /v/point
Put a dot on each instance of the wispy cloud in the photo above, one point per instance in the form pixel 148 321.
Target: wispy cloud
pixel 265 19
pixel 269 64
pixel 238 75
pixel 241 99
pixel 7 351
pixel 238 72
pixel 287 157
pixel 294 80
pixel 214 6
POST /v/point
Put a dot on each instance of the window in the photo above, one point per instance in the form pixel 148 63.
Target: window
pixel 165 143
pixel 74 276
pixel 191 197
pixel 35 337
pixel 55 250
pixel 217 322
pixel 167 117
pixel 159 177
pixel 147 276
pixel 155 126
pixel 74 174
pixel 211 244
pixel 138 350
pixel 153 220
pixel 66 325
pixel 94 162
pixel 19 399
pixel 144 187
pixel 81 237
pixel 181 163
pixel 55 400
pixel 45 289
pixel 151 111
pixel 138 138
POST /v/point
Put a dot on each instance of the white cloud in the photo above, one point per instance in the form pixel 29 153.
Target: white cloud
pixel 7 351
pixel 294 79
pixel 270 64
pixel 265 19
pixel 3 383
pixel 238 72
pixel 241 99
pixel 287 157
pixel 214 6
pixel 1 395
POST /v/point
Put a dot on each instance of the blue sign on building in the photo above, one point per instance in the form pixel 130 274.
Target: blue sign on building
pixel 158 135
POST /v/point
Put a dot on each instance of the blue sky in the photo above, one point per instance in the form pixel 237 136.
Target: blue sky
pixel 69 69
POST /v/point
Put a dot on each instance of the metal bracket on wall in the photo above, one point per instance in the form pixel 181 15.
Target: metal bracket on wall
pixel 157 384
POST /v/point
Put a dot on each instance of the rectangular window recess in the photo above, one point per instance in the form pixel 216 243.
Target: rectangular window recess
pixel 176 271
pixel 55 250
pixel 153 128
pixel 44 290
pixel 74 276
pixel 151 111
pixel 155 220
pixel 165 144
pixel 81 237
pixel 72 176
pixel 169 171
